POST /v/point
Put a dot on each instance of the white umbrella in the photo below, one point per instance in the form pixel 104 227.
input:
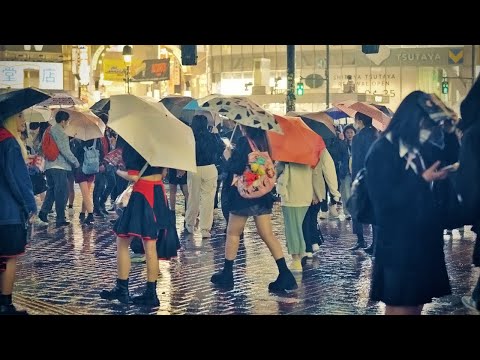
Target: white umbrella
pixel 83 125
pixel 153 131
pixel 244 111
pixel 37 114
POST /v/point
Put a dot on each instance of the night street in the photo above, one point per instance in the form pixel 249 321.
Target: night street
pixel 64 270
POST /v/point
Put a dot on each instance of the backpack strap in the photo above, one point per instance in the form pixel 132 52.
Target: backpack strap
pixel 91 147
pixel 252 144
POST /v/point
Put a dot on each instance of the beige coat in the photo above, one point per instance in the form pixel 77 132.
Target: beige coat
pixel 297 183
pixel 325 169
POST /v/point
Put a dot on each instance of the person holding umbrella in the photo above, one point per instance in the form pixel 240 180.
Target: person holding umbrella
pixel 16 192
pixel 144 217
pixel 254 121
pixel 154 140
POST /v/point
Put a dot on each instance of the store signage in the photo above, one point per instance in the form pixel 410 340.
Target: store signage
pixel 113 69
pixel 155 70
pixel 50 75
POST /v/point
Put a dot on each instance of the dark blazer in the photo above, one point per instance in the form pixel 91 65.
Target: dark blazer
pixel 360 145
pixel 410 233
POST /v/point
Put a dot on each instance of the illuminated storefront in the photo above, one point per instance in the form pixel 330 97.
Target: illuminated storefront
pixel 386 77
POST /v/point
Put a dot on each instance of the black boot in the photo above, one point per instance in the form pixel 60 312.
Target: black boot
pixel 89 219
pixel 7 308
pixel 11 310
pixel 149 296
pixel 285 280
pixel 119 292
pixel 81 217
pixel 224 278
pixel 43 216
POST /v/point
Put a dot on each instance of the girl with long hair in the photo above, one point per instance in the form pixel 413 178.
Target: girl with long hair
pixel 409 267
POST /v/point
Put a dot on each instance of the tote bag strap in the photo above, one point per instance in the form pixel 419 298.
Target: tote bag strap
pixel 252 144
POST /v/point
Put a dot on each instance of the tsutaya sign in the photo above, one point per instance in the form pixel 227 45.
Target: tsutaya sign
pixel 419 57
pixel 407 57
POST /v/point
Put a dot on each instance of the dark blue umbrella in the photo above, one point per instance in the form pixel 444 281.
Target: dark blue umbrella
pixel 14 102
pixel 320 128
pixel 335 113
pixel 384 109
pixel 101 106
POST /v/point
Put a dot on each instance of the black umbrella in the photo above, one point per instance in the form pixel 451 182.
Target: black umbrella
pixel 319 128
pixel 175 103
pixel 101 106
pixel 14 102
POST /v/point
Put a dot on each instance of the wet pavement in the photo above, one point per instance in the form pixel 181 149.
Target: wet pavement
pixel 64 270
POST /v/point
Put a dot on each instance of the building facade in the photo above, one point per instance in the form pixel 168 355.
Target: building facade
pixel 387 77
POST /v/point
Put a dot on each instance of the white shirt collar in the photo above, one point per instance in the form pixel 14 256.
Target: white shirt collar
pixel 403 149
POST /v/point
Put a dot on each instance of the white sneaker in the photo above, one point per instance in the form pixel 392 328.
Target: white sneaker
pixel 206 234
pixel 333 212
pixel 315 248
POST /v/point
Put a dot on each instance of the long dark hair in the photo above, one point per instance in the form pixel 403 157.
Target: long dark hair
pixel 259 137
pixel 204 140
pixel 405 123
pixel 199 125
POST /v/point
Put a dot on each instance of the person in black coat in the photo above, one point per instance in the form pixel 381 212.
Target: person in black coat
pixel 468 176
pixel 409 267
pixel 361 143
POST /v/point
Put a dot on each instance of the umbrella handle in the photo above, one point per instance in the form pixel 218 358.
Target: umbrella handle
pixel 233 132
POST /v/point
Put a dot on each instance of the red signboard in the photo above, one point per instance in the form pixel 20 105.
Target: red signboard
pixel 155 70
